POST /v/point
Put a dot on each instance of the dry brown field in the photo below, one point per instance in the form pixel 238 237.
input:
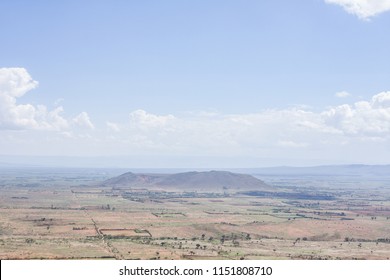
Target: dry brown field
pixel 64 220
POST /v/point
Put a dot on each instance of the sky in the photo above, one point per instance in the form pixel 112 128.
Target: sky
pixel 181 83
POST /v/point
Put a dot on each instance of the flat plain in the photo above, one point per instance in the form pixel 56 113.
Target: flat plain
pixel 70 214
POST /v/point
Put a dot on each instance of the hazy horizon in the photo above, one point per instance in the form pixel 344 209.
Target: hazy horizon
pixel 127 162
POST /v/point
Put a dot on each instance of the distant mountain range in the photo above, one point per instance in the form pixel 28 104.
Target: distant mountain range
pixel 206 180
pixel 332 170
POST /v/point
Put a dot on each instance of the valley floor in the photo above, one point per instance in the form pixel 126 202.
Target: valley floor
pixel 85 222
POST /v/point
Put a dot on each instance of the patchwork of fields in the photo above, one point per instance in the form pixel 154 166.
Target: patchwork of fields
pixel 80 219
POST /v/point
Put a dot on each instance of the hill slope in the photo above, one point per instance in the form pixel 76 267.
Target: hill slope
pixel 189 180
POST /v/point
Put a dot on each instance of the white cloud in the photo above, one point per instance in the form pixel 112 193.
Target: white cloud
pixel 297 132
pixel 381 100
pixel 364 118
pixel 364 9
pixel 14 83
pixel 54 120
pixel 262 133
pixel 216 133
pixel 113 126
pixel 342 94
pixel 146 120
pixel 83 120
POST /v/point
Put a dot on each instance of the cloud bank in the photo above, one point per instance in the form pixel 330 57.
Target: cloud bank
pixel 291 128
pixel 364 9
pixel 15 83
pixel 83 120
pixel 358 130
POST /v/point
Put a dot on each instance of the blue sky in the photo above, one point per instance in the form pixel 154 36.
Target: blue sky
pixel 284 82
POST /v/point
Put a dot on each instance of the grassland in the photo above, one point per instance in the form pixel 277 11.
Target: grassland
pixel 69 215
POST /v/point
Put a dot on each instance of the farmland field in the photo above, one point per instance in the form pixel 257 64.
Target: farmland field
pixel 71 215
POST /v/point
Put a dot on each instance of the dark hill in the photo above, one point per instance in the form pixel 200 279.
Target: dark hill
pixel 189 180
